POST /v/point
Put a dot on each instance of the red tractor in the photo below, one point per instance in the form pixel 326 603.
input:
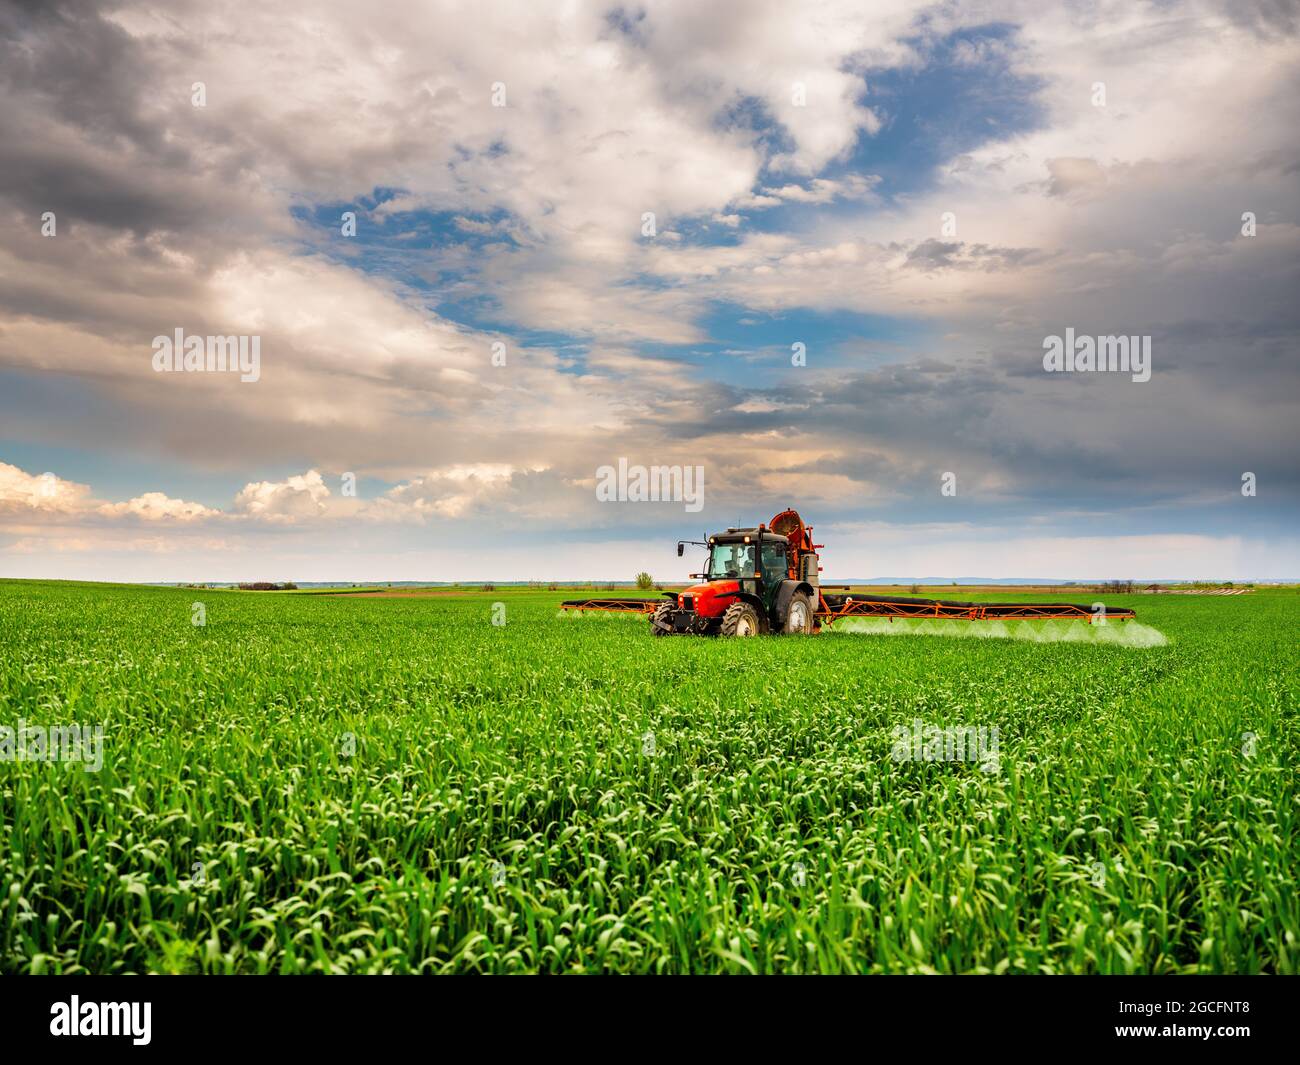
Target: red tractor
pixel 766 579
pixel 755 581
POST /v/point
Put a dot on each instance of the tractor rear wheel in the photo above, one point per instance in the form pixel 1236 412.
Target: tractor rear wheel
pixel 799 614
pixel 661 621
pixel 741 619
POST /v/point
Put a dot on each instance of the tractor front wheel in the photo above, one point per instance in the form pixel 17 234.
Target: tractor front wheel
pixel 799 614
pixel 661 621
pixel 741 619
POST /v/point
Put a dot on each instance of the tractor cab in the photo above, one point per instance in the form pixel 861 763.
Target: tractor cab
pixel 752 554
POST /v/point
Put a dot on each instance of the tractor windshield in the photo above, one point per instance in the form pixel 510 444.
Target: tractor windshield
pixel 731 560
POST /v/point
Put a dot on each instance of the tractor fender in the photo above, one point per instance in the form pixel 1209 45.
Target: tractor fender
pixel 752 600
pixel 765 622
pixel 786 591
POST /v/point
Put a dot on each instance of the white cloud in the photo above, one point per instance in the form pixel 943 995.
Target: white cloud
pixel 299 497
pixel 826 190
pixel 155 506
pixel 21 491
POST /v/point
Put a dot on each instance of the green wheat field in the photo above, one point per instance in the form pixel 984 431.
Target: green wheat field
pixel 312 783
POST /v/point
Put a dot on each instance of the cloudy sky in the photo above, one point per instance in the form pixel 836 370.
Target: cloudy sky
pixel 592 231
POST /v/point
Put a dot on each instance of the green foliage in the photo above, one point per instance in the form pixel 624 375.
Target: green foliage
pixel 565 794
pixel 644 581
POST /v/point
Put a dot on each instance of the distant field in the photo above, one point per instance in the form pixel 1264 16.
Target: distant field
pixel 329 783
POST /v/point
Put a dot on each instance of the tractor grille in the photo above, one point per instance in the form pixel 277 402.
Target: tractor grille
pixel 688 602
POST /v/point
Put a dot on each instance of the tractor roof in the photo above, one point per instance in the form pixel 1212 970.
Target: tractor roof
pixel 742 536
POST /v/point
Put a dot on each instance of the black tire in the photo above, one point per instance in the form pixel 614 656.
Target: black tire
pixel 741 619
pixel 660 624
pixel 799 614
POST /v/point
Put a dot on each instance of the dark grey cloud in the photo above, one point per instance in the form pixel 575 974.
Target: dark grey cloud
pixel 99 129
pixel 934 255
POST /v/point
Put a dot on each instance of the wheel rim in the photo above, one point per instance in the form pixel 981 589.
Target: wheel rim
pixel 799 617
pixel 745 626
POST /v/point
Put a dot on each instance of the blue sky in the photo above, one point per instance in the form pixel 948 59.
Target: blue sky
pixel 916 196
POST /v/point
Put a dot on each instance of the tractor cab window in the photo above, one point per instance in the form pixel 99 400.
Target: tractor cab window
pixel 774 564
pixel 731 560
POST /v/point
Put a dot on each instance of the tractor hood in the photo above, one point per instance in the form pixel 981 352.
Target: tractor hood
pixel 711 598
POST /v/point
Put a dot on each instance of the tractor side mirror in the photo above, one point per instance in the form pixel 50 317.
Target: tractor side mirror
pixel 681 549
